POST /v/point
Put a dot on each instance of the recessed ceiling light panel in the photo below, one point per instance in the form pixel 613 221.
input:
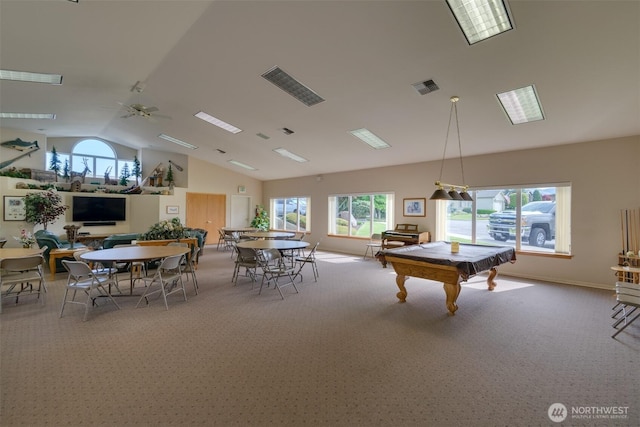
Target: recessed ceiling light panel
pixel 217 122
pixel 284 81
pixel 242 165
pixel 521 105
pixel 26 76
pixel 288 154
pixel 177 141
pixel 369 138
pixel 47 116
pixel 481 19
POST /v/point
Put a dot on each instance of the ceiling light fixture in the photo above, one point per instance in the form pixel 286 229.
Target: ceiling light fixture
pixel 26 76
pixel 217 122
pixel 441 193
pixel 242 165
pixel 521 105
pixel 177 141
pixel 368 137
pixel 47 116
pixel 481 19
pixel 293 87
pixel 288 154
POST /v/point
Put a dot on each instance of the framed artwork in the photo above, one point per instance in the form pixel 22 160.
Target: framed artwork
pixel 14 209
pixel 414 207
pixel 174 210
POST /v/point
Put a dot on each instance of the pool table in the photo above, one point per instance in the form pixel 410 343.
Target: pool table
pixel 435 261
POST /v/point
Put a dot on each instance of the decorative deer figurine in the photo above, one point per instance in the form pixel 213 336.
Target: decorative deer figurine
pixel 107 181
pixel 80 175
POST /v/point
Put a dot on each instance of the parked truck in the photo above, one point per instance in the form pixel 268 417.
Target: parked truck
pixel 538 223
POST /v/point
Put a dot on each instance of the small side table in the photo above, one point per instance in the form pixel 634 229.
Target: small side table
pixel 54 254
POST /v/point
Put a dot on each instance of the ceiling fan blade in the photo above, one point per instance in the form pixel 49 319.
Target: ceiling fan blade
pixel 150 109
pixel 161 116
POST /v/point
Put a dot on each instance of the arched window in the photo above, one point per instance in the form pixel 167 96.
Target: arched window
pixel 95 155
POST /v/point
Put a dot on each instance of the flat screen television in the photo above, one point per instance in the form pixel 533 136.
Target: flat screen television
pixel 98 209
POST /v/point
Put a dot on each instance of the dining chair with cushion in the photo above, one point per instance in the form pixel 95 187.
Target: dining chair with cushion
pixel 94 286
pixel 18 277
pixel 310 258
pixel 275 268
pixel 167 280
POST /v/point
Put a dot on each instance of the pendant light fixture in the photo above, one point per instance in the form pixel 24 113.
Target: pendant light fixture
pixel 441 192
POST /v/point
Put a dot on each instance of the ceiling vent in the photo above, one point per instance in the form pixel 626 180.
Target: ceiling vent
pixel 284 81
pixel 287 131
pixel 426 87
pixel 262 135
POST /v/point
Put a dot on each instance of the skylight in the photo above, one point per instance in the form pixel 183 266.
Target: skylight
pixel 26 76
pixel 288 154
pixel 521 105
pixel 480 19
pixel 47 116
pixel 242 165
pixel 369 138
pixel 177 141
pixel 220 123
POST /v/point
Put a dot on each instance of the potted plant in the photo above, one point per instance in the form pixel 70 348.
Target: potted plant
pixel 43 207
pixel 165 230
pixel 261 220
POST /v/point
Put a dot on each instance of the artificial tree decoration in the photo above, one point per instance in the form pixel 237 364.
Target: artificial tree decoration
pixel 170 176
pixel 124 174
pixel 261 220
pixel 43 207
pixel 135 170
pixel 66 170
pixel 54 165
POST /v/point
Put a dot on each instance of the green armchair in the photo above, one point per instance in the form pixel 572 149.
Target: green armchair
pixel 119 239
pixel 47 241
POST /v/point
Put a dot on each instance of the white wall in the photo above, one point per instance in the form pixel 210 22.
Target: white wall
pixel 605 178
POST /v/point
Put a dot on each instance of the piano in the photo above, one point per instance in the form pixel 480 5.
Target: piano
pixel 404 234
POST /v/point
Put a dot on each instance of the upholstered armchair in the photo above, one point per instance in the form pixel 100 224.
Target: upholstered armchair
pixel 47 241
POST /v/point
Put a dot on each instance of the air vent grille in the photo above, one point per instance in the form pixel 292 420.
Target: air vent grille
pixel 425 87
pixel 284 81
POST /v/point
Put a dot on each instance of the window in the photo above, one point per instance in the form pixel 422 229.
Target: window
pixel 97 157
pixel 290 214
pixel 530 218
pixel 360 215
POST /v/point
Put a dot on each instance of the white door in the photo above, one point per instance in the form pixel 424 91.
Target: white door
pixel 241 214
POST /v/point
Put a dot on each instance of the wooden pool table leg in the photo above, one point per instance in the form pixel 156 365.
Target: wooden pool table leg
pixel 452 290
pixel 402 295
pixel 493 272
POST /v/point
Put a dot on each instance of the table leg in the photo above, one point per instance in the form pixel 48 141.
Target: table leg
pixel 402 295
pixel 452 290
pixel 493 272
pixel 52 266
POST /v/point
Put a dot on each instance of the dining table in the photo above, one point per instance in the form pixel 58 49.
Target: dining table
pixel 130 254
pixel 270 234
pixel 281 245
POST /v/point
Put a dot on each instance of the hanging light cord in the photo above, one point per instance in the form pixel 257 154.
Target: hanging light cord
pixel 446 139
pixel 455 106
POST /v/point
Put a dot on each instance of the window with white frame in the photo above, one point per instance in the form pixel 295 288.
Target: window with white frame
pixel 360 215
pixel 97 157
pixel 290 214
pixel 531 218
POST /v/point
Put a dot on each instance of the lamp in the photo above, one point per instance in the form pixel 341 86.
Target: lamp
pixel 453 194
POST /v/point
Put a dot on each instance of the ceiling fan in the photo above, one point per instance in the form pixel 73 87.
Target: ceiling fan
pixel 142 111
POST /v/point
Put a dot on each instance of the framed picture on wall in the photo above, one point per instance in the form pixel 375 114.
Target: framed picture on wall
pixel 414 207
pixel 14 209
pixel 174 210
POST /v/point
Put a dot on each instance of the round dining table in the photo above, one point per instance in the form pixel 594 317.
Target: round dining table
pixel 132 254
pixel 270 234
pixel 281 245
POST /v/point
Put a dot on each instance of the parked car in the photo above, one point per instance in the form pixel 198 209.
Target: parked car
pixel 538 223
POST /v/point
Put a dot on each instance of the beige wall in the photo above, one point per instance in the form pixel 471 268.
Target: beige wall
pixel 604 175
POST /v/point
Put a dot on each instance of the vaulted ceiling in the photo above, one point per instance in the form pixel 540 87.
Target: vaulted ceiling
pixel 362 57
